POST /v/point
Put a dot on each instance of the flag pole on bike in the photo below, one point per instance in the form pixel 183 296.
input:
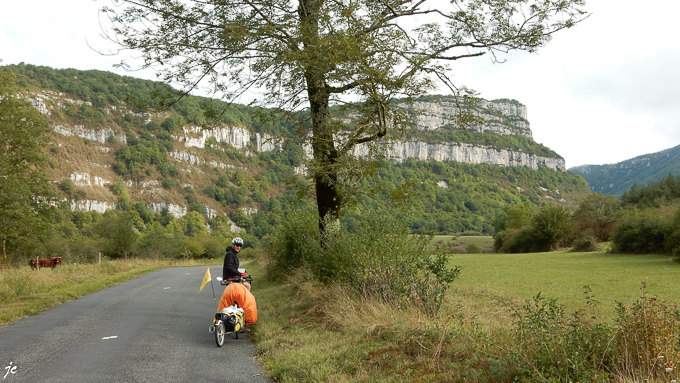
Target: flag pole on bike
pixel 207 278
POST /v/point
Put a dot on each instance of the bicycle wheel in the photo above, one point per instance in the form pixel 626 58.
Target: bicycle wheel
pixel 219 334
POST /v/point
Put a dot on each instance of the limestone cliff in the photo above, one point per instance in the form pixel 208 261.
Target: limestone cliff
pixel 434 113
pixel 500 116
pixel 467 153
pixel 438 113
pixel 237 137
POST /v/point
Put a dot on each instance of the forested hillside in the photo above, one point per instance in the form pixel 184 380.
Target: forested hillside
pixel 615 179
pixel 118 142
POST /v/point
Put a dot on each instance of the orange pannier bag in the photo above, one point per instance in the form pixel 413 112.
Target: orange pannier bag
pixel 236 292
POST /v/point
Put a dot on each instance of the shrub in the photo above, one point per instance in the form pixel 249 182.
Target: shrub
pixel 521 241
pixel 292 243
pixel 378 259
pixel 550 225
pixel 585 243
pixel 169 183
pixel 598 214
pixel 473 249
pixel 499 238
pixel 213 247
pixel 555 346
pixel 640 235
pixel 86 250
pixel 191 248
pixel 544 230
pixel 67 186
pixel 672 235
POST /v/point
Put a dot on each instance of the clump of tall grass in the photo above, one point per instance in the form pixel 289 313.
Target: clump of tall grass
pixel 641 345
pixel 649 339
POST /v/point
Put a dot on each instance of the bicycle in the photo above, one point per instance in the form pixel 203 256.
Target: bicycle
pixel 231 320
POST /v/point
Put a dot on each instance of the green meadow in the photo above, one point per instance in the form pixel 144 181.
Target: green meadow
pixel 563 275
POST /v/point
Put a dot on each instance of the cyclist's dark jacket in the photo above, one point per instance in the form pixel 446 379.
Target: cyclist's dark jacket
pixel 231 263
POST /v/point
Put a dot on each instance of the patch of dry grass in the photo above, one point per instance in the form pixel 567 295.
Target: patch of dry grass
pixel 329 333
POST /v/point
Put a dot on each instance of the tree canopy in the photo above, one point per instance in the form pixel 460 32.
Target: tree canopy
pixel 316 53
pixel 26 194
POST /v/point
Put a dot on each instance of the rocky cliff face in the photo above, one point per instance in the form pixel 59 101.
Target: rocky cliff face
pixel 237 137
pixel 466 153
pixel 501 117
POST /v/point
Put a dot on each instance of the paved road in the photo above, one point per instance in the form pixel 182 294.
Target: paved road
pixel 151 329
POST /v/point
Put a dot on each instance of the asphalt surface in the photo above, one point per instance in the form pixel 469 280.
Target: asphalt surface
pixel 153 328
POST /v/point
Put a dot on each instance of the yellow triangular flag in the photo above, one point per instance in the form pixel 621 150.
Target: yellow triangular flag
pixel 206 279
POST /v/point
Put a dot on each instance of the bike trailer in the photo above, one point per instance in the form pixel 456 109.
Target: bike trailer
pixel 233 318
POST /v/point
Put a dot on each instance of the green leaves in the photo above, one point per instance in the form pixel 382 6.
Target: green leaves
pixel 314 54
pixel 26 195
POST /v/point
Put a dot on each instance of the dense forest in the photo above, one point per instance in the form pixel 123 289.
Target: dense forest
pixel 616 179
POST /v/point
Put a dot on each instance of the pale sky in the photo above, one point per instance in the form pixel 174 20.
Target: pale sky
pixel 599 93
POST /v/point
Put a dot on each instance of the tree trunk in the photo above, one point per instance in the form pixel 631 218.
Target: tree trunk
pixel 328 197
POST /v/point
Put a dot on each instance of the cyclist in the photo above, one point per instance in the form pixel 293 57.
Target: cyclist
pixel 231 262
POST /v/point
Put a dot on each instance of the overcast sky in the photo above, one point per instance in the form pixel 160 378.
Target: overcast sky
pixel 602 92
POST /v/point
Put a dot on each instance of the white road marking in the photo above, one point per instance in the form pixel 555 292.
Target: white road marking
pixel 165 288
pixel 110 337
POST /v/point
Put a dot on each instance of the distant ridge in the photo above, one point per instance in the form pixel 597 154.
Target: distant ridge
pixel 615 179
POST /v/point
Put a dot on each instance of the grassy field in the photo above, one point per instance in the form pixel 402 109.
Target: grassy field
pixel 562 275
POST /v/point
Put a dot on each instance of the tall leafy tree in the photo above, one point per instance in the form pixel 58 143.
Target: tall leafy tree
pixel 550 225
pixel 316 53
pixel 26 194
pixel 598 213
